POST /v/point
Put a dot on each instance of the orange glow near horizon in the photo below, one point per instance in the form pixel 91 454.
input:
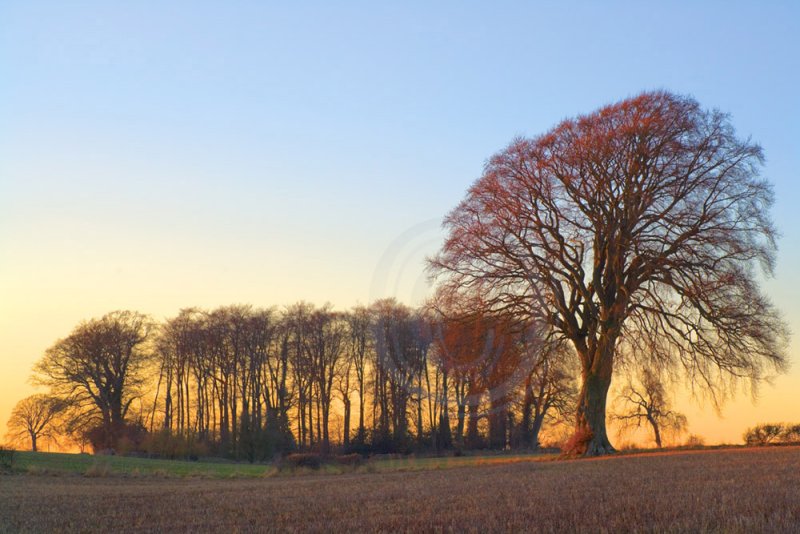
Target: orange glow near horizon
pixel 28 332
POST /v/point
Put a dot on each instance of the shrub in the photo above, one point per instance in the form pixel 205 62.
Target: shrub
pixel 303 459
pixel 6 458
pixel 578 443
pixel 127 437
pixel 764 434
pixel 792 433
pixel 164 444
pixel 772 434
pixel 694 441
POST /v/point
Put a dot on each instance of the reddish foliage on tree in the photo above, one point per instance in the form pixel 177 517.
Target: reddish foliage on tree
pixel 642 222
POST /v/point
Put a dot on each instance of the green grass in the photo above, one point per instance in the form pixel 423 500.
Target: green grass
pixel 44 463
pixel 51 463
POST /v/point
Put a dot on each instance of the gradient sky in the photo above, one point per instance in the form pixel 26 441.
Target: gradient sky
pixel 158 155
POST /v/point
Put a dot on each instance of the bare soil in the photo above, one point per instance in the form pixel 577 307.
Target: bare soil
pixel 737 490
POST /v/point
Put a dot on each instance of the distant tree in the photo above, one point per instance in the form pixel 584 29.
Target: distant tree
pixel 99 369
pixel 549 391
pixel 301 365
pixel 325 334
pixel 645 218
pixel 401 347
pixel 344 386
pixel 358 344
pixel 771 433
pixel 792 433
pixel 496 354
pixel 35 418
pixel 648 403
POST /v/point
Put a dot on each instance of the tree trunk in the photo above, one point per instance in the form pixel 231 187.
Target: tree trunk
pixel 346 437
pixel 497 420
pixel 461 407
pixel 472 426
pixel 33 441
pixel 361 403
pixel 656 431
pixel 536 427
pixel 445 437
pixel 590 437
pixel 526 435
pixel 419 417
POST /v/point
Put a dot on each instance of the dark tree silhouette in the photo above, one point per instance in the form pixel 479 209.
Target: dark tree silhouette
pixel 648 403
pixel 324 344
pixel 646 216
pixel 34 418
pixel 549 391
pixel 358 345
pixel 99 369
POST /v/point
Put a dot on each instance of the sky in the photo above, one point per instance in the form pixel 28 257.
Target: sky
pixel 158 155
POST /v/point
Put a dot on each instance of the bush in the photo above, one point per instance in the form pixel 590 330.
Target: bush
pixel 303 459
pixel 792 433
pixel 765 434
pixel 694 441
pixel 578 443
pixel 164 444
pixel 6 458
pixel 772 434
pixel 313 460
pixel 127 437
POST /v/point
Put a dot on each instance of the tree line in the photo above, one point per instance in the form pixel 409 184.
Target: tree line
pixel 248 383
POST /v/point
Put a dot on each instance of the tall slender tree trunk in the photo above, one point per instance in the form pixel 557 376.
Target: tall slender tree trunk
pixel 326 440
pixel 536 427
pixel 445 437
pixel 498 415
pixel 361 404
pixel 419 416
pixel 461 406
pixel 526 433
pixel 346 430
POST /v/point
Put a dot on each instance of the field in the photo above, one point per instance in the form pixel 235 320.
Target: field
pixel 730 490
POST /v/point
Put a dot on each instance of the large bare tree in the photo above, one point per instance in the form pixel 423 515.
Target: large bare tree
pixel 99 369
pixel 645 218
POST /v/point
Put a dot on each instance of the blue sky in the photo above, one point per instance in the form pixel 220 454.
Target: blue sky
pixel 155 155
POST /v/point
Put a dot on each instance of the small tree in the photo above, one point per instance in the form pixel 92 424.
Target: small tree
pixel 791 433
pixel 548 393
pixel 34 418
pixel 765 434
pixel 648 403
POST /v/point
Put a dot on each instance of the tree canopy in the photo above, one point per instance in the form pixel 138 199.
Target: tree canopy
pixel 641 223
pixel 98 369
